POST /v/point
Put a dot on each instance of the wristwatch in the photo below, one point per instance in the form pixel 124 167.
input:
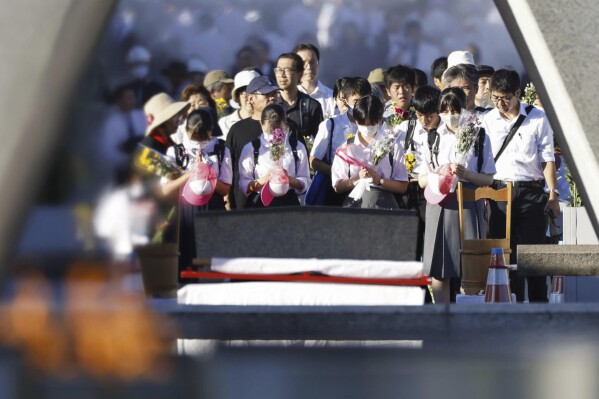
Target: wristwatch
pixel 554 190
pixel 381 181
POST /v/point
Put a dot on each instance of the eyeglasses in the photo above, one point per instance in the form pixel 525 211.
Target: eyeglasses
pixel 280 71
pixel 505 99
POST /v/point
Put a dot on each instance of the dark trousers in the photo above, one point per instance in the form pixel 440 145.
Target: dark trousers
pixel 528 227
pixel 413 199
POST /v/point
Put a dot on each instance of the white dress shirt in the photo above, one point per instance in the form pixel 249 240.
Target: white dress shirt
pixel 324 96
pixel 447 153
pixel 531 145
pixel 361 153
pixel 249 171
pixel 343 126
pixel 418 139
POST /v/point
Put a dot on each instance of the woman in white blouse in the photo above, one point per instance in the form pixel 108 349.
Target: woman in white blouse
pixel 256 163
pixel 439 114
pixel 353 164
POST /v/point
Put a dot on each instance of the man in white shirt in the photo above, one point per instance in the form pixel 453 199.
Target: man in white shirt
pixel 310 84
pixel 522 143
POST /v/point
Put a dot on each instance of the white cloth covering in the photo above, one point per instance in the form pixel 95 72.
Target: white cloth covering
pixel 299 294
pixel 330 267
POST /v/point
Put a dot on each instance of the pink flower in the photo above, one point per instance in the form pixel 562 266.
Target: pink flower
pixel 278 136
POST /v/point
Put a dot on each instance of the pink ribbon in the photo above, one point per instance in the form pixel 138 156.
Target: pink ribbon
pixel 342 153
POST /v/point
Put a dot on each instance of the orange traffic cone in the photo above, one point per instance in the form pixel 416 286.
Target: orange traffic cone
pixel 498 283
pixel 557 290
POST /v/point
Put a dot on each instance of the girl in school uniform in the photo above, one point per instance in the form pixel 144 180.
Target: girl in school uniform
pixel 197 146
pixel 439 115
pixel 352 161
pixel 261 163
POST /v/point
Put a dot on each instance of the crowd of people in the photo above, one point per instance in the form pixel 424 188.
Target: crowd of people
pixel 389 140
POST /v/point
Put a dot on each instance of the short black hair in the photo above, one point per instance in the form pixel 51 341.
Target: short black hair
pixel 452 99
pixel 505 81
pixel 461 71
pixel 438 67
pixel 275 115
pixel 356 85
pixel 298 63
pixel 400 74
pixel 421 78
pixel 339 85
pixel 368 107
pixel 426 100
pixel 307 46
pixel 200 123
pixel 485 70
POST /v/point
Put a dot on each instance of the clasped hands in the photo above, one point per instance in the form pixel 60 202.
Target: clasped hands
pixel 366 172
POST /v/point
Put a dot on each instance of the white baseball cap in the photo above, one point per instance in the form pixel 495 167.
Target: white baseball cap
pixel 459 57
pixel 242 79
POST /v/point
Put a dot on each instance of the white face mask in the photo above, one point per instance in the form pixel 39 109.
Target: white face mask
pixel 139 71
pixel 451 120
pixel 368 130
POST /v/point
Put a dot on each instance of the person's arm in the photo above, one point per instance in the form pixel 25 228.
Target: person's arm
pixel 222 188
pixel 346 185
pixel 301 181
pixel 546 152
pixel 389 184
pixel 225 175
pixel 480 179
pixel 320 166
pixel 169 191
pixel 295 183
pixel 551 179
pixel 423 180
pixel 256 185
pixel 340 169
pixel 320 147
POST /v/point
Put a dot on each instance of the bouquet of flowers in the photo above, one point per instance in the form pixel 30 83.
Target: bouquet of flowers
pixel 277 145
pixel 221 106
pixel 468 129
pixel 150 162
pixel 398 115
pixel 410 162
pixel 530 94
pixel 382 147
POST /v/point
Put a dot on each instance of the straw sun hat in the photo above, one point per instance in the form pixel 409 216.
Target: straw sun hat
pixel 160 108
